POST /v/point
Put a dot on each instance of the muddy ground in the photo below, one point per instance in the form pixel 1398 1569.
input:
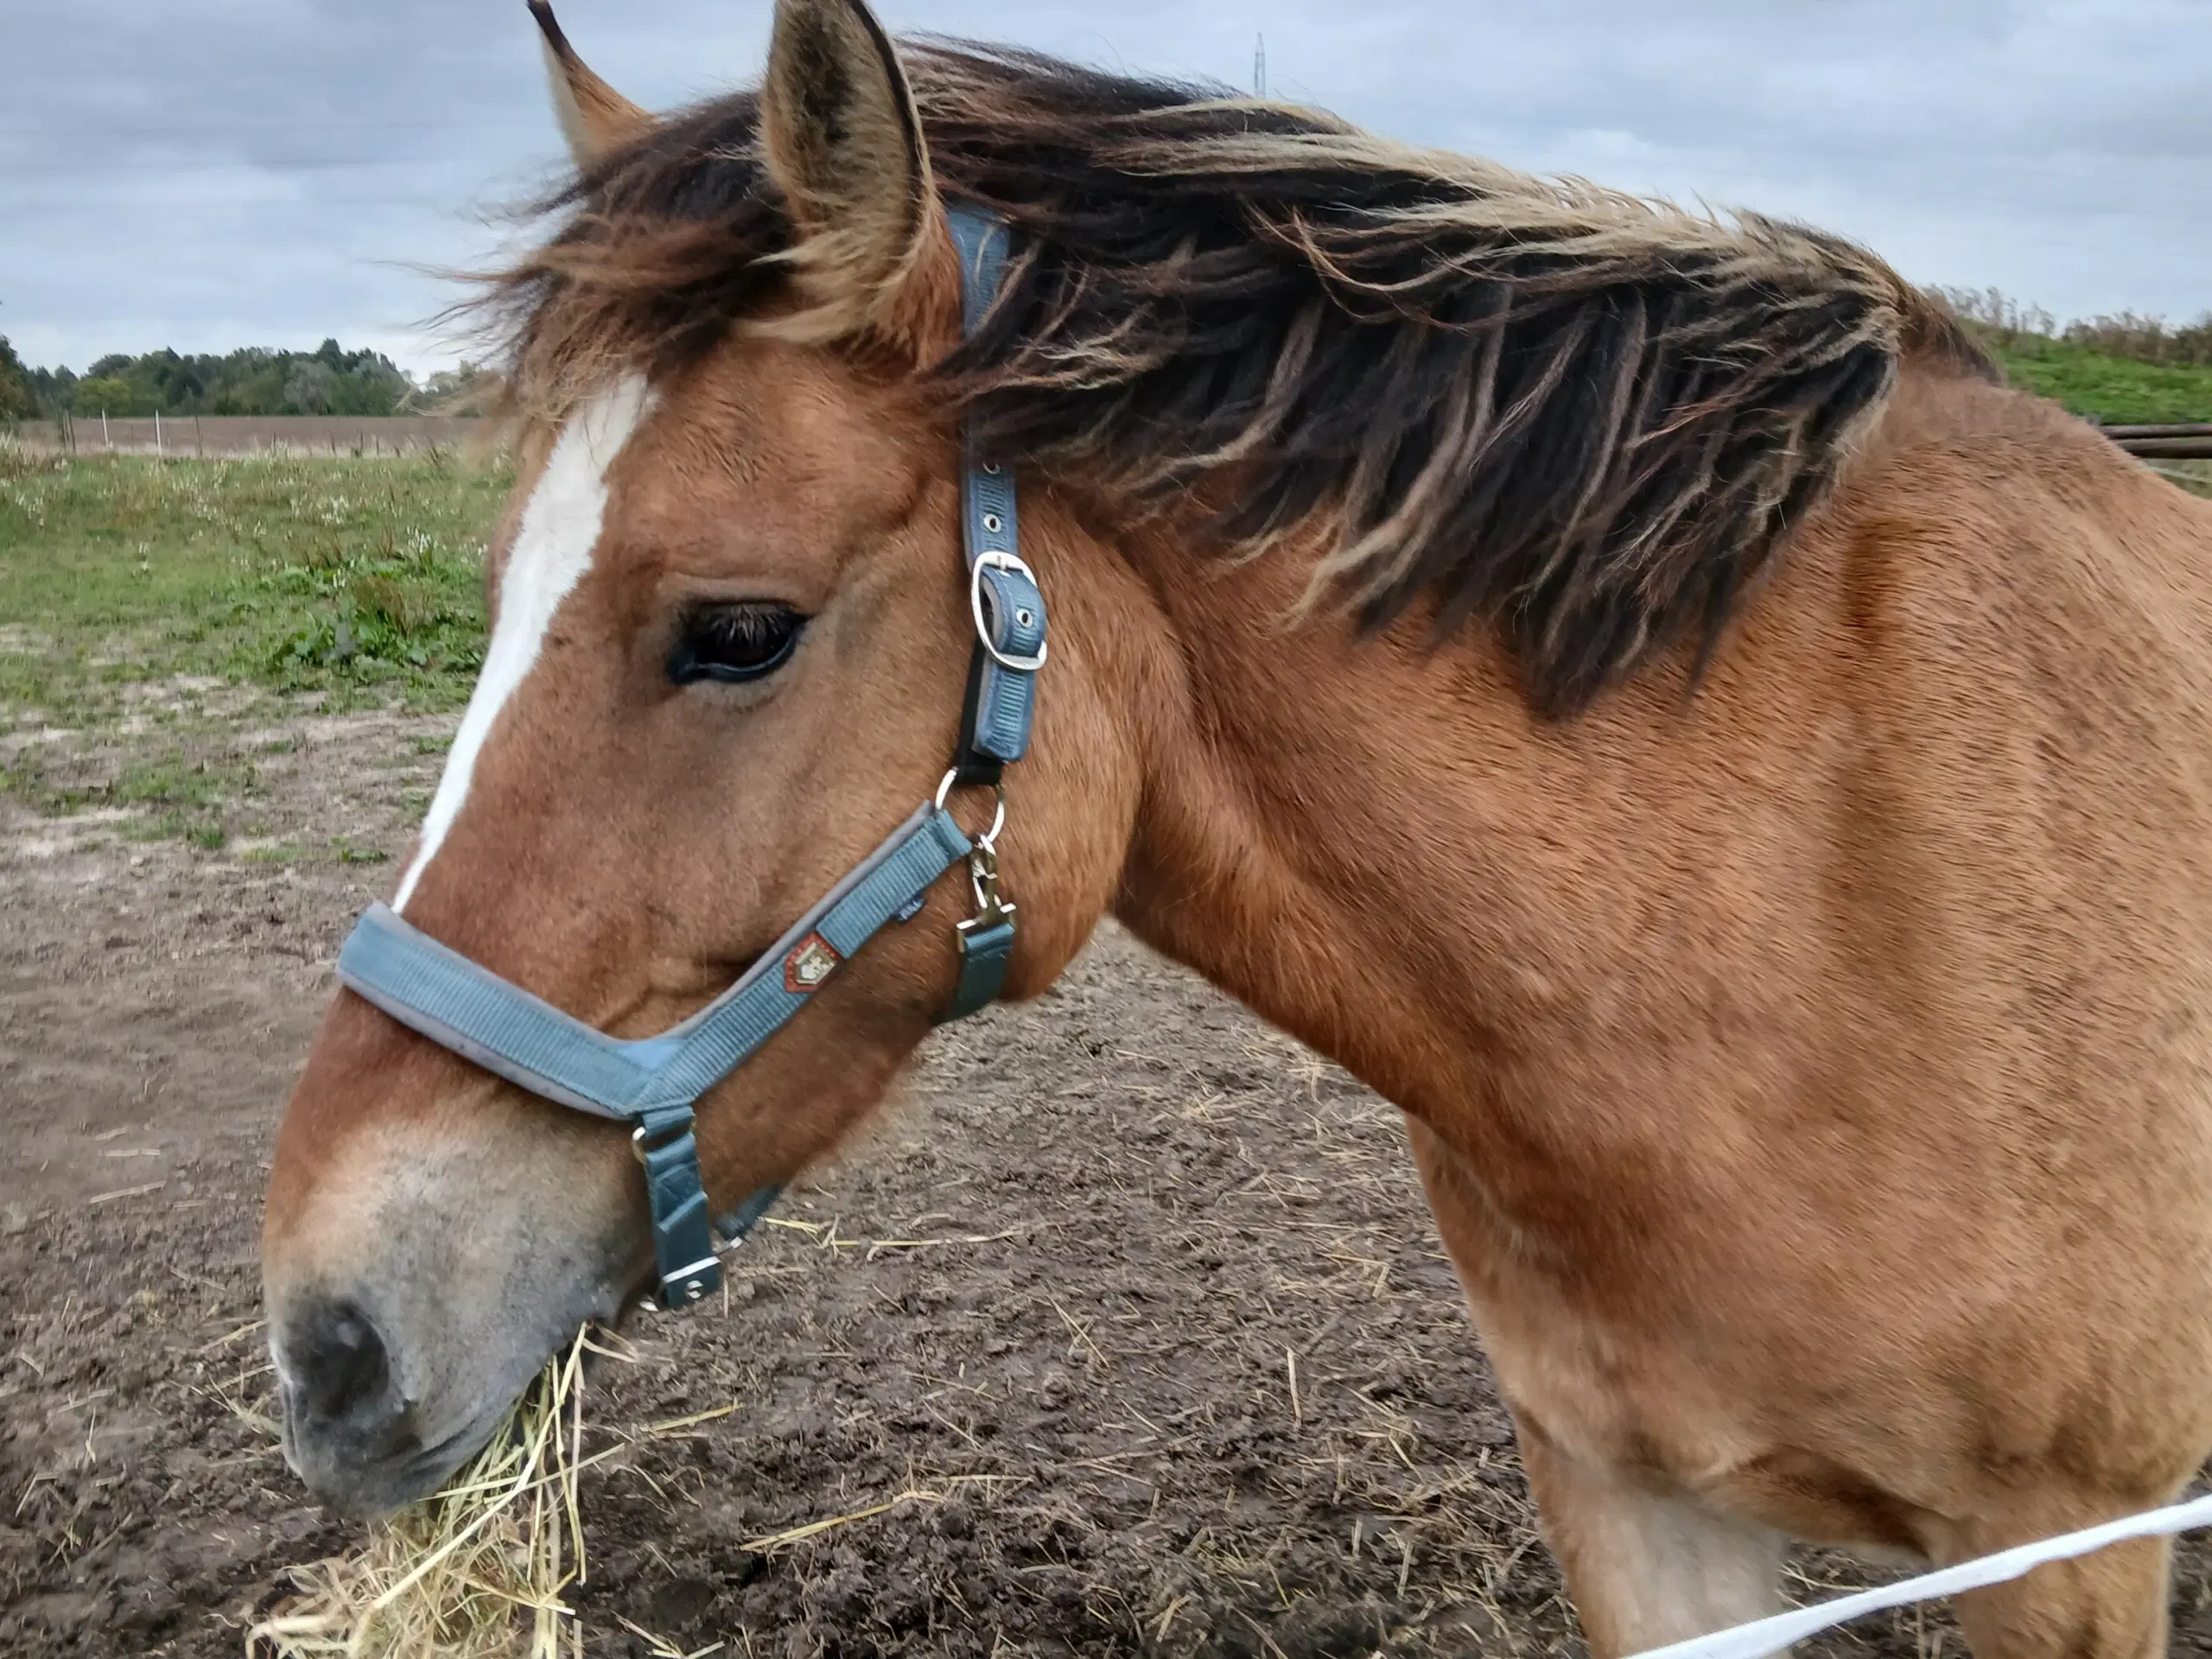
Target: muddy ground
pixel 1180 1368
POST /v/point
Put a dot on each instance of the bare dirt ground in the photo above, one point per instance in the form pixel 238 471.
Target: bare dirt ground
pixel 1131 1311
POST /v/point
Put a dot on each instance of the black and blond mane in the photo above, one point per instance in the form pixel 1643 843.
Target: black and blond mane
pixel 1586 417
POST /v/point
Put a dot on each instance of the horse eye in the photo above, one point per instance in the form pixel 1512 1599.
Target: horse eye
pixel 731 644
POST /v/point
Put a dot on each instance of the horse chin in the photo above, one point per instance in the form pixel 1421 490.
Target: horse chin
pixel 370 1484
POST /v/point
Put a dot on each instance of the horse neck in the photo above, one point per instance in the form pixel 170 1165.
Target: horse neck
pixel 1310 836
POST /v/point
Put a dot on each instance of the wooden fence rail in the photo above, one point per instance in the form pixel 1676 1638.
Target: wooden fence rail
pixel 2169 448
pixel 2176 440
pixel 224 435
pixel 2121 431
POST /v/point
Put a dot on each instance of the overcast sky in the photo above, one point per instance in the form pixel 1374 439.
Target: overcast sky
pixel 209 173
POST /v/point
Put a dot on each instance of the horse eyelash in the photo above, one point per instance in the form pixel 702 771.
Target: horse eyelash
pixel 708 632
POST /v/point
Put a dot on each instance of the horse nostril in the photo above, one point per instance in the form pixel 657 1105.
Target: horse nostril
pixel 339 1362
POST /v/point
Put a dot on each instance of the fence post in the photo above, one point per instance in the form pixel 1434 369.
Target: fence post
pixel 106 443
pixel 157 434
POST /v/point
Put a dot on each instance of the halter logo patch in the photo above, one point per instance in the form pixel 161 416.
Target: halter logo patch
pixel 811 961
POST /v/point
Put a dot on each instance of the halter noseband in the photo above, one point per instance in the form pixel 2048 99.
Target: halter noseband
pixel 655 1082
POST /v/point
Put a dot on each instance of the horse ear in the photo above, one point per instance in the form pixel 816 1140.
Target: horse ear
pixel 596 119
pixel 843 142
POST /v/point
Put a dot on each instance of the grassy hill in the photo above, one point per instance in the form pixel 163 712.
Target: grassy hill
pixel 2107 388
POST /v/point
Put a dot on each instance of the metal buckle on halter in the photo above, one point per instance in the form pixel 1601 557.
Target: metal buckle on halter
pixel 691 1280
pixel 996 559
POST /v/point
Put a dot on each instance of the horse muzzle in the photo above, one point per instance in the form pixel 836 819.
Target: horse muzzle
pixel 378 1413
pixel 415 1282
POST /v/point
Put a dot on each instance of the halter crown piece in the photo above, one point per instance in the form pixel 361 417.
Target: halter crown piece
pixel 655 1082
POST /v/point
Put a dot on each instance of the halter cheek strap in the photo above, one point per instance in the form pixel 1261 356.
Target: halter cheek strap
pixel 655 1082
pixel 1003 599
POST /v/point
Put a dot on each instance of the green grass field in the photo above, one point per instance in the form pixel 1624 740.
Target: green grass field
pixel 2114 389
pixel 361 580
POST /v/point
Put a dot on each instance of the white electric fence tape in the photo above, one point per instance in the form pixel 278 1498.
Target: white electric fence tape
pixel 1766 1635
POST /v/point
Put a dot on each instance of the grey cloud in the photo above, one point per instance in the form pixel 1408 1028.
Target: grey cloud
pixel 264 171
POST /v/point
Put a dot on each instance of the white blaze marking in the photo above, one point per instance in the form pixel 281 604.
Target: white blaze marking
pixel 552 549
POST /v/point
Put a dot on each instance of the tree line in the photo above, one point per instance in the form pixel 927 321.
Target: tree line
pixel 329 380
pixel 2004 321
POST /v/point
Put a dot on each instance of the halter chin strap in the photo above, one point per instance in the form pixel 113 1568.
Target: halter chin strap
pixel 655 1082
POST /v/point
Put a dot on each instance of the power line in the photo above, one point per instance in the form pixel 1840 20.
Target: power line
pixel 289 204
pixel 172 130
pixel 179 167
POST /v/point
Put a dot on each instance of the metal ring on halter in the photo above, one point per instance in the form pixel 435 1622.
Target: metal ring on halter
pixel 998 817
pixel 639 1145
pixel 994 560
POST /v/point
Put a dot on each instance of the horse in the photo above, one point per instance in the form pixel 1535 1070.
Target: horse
pixel 1633 686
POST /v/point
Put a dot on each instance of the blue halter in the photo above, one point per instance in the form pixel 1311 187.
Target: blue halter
pixel 655 1082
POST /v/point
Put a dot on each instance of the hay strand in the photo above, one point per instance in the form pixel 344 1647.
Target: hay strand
pixel 476 1572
